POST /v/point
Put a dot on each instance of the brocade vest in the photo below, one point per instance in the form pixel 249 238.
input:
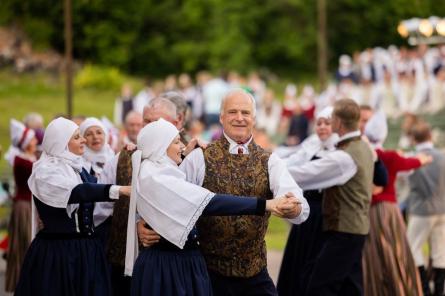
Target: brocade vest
pixel 235 245
pixel 346 207
pixel 118 232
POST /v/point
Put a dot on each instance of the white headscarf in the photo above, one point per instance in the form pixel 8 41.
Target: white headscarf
pixel 159 192
pixel 56 173
pixel 313 146
pixel 21 136
pixel 376 129
pixel 92 158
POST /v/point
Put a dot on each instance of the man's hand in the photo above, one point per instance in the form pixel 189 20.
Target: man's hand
pixel 147 237
pixel 424 158
pixel 194 143
pixel 130 147
pixel 291 206
pixel 286 206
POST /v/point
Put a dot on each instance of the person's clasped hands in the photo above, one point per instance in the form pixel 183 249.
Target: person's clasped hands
pixel 287 206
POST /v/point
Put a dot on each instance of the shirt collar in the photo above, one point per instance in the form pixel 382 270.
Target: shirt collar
pixel 424 146
pixel 233 148
pixel 349 135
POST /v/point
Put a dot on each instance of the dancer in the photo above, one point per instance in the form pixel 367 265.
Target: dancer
pixel 171 206
pixel 65 258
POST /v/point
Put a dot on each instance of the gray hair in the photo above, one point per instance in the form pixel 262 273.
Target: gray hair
pixel 238 91
pixel 163 103
pixel 177 99
pixel 132 113
pixel 33 119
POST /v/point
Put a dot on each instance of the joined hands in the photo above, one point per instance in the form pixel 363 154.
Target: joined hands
pixel 287 206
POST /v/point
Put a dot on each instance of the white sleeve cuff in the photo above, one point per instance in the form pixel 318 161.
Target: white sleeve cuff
pixel 304 214
pixel 114 192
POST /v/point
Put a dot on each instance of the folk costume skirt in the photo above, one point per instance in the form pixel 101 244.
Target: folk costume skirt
pixel 66 266
pixel 19 231
pixel 170 273
pixel 388 264
pixel 303 245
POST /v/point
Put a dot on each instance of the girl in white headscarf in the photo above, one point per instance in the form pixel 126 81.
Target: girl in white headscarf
pixel 19 228
pixel 305 239
pixel 97 153
pixel 66 257
pixel 171 206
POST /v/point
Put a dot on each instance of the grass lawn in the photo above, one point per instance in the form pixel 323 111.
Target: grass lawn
pixel 43 93
pixel 276 236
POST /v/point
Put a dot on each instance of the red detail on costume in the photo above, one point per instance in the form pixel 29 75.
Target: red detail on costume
pixel 394 163
pixel 22 171
pixel 4 243
pixel 22 139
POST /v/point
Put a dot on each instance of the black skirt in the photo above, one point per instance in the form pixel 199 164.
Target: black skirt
pixel 64 266
pixel 303 245
pixel 170 272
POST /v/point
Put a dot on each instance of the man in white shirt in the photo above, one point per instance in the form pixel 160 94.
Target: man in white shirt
pixel 348 174
pixel 234 247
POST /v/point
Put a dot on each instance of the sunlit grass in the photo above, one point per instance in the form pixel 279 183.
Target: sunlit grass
pixel 276 236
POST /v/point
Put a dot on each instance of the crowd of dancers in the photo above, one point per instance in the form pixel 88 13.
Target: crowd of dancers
pixel 168 207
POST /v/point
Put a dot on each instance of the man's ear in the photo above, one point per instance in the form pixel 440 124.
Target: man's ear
pixel 181 118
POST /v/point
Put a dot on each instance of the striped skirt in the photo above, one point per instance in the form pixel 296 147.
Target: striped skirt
pixel 388 265
pixel 19 231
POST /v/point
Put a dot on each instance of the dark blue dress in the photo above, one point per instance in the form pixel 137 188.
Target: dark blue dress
pixel 303 245
pixel 164 269
pixel 67 257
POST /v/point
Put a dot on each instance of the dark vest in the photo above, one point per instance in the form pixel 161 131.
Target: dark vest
pixel 346 207
pixel 235 245
pixel 118 231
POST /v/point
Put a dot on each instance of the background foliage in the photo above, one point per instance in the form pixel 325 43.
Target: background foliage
pixel 172 36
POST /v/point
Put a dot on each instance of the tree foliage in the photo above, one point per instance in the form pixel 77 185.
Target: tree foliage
pixel 172 36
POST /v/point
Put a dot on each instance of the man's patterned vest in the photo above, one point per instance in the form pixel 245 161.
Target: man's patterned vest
pixel 235 245
pixel 118 238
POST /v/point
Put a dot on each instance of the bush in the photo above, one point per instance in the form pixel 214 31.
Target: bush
pixel 97 77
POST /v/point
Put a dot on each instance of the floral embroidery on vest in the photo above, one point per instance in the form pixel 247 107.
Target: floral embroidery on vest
pixel 235 245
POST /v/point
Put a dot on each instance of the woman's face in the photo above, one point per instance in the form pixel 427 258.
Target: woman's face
pixel 323 128
pixel 174 151
pixel 95 138
pixel 76 144
pixel 31 148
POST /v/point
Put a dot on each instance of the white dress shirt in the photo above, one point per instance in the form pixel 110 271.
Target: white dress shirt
pixel 281 182
pixel 334 168
pixel 424 146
